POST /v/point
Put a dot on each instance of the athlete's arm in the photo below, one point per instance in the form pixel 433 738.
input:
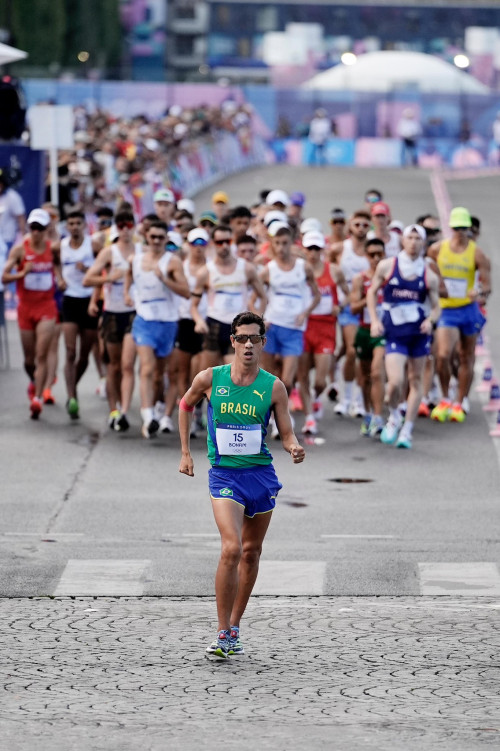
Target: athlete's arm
pixel 284 423
pixel 483 266
pixel 16 255
pixel 93 276
pixel 258 288
pixel 129 280
pixel 174 278
pixel 316 295
pixel 336 251
pixel 433 291
pixel 357 301
pixel 200 325
pixel 93 308
pixel 381 273
pixel 98 240
pixel 201 386
pixel 338 277
pixel 432 264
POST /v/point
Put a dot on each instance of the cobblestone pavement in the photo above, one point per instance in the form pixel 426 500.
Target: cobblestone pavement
pixel 336 673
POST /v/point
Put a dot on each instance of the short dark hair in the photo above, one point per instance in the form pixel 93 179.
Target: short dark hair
pixel 362 213
pixel 375 241
pixel 221 228
pixel 159 225
pixel 374 190
pixel 124 216
pixel 76 214
pixel 475 222
pixel 241 211
pixel 151 218
pixel 104 211
pixel 246 319
pixel 246 239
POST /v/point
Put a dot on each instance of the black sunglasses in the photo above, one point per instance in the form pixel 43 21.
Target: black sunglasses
pixel 157 237
pixel 244 338
pixel 37 227
pixel 222 242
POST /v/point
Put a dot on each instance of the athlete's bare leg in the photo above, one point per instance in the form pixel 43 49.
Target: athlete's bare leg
pixel 252 536
pixel 289 371
pixel 446 340
pixel 395 366
pixel 129 352
pixel 113 374
pixel 229 519
pixel 377 380
pixel 28 345
pixel 70 334
pixel 415 370
pixel 53 357
pixel 466 367
pixel 44 334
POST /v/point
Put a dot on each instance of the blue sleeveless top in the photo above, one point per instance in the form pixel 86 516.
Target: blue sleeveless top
pixel 403 304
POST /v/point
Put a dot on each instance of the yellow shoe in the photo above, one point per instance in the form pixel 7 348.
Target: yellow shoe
pixel 456 413
pixel 442 411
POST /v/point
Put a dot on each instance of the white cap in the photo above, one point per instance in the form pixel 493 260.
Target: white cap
pixel 186 204
pixel 311 225
pixel 164 194
pixel 174 237
pixel 415 228
pixel 198 233
pixel 276 226
pixel 40 216
pixel 274 216
pixel 313 238
pixel 397 225
pixel 277 196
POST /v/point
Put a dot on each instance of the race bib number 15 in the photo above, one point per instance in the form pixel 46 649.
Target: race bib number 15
pixel 239 440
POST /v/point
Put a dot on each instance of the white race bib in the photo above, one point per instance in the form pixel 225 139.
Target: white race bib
pixel 292 306
pixel 457 288
pixel 40 281
pixel 233 303
pixel 409 313
pixel 240 440
pixel 325 305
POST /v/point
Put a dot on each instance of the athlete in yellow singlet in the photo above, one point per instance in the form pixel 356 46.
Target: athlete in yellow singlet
pixel 459 260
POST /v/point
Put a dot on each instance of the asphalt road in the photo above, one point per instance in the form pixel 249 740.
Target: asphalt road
pixel 375 624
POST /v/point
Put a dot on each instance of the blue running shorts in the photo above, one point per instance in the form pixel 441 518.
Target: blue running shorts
pixel 284 341
pixel 255 488
pixel 418 345
pixel 346 318
pixel 468 319
pixel 159 335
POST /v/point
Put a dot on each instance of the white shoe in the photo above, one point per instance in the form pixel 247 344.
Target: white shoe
pixel 357 410
pixel 166 424
pixel 318 409
pixel 466 405
pixel 310 427
pixel 341 409
pixel 101 388
pixel 149 430
pixel 158 411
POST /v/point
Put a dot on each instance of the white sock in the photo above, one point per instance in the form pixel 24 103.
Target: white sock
pixel 147 415
pixel 348 388
pixel 395 415
pixel 408 427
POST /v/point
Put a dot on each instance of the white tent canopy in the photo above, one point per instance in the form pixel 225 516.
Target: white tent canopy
pixel 389 71
pixel 10 54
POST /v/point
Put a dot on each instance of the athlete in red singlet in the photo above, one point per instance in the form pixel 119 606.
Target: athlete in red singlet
pixel 37 312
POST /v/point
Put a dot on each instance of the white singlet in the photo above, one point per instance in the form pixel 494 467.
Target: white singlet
pixel 287 295
pixel 392 246
pixel 185 305
pixel 71 275
pixel 113 291
pixel 154 300
pixel 227 293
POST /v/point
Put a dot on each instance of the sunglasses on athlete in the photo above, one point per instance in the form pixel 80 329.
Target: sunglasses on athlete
pixel 244 338
pixel 375 254
pixel 158 237
pixel 361 225
pixel 222 242
pixel 34 226
pixel 199 242
pixel 128 225
pixel 172 247
pixel 104 222
pixel 337 221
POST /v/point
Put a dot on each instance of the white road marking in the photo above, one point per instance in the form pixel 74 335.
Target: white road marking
pixel 467 579
pixel 102 577
pixel 291 578
pixel 360 537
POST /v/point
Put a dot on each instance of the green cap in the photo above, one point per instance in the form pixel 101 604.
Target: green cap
pixel 208 216
pixel 460 217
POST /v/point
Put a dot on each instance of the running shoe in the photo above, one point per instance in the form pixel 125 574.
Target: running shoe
pixel 390 432
pixel 402 408
pixel 35 408
pixel 318 409
pixel 72 407
pixel 310 426
pixel 273 428
pixel 332 392
pixel 151 429
pixel 158 411
pixel 295 401
pixel 365 426
pixel 424 410
pixel 466 405
pixel 457 413
pixel 122 424
pixel 48 397
pixel 357 410
pixel 235 645
pixel 114 416
pixel 166 424
pixel 441 413
pixel 376 426
pixel 341 409
pixel 404 440
pixel 219 648
pixel 31 390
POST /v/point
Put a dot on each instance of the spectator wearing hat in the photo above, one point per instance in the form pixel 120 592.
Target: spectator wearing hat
pixel 164 206
pixel 381 217
pixel 220 204
pixel 277 200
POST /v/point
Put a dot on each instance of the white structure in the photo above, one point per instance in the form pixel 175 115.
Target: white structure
pixel 10 54
pixel 390 71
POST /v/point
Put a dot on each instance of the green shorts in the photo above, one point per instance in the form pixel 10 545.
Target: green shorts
pixel 365 344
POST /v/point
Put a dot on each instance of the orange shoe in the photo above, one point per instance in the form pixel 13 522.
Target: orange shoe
pixel 35 408
pixel 48 397
pixel 423 410
pixel 31 390
pixel 295 401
